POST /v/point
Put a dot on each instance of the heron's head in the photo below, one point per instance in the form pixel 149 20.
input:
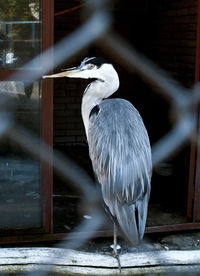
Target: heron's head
pixel 90 68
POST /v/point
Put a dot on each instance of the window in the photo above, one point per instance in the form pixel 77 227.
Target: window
pixel 25 192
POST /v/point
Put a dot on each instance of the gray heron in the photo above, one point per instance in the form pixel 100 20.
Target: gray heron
pixel 119 147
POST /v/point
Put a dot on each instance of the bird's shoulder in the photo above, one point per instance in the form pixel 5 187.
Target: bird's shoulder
pixel 111 111
pixel 116 117
pixel 117 104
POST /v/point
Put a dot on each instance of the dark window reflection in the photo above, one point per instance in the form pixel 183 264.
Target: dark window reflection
pixel 20 174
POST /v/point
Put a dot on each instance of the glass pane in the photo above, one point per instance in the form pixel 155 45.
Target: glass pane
pixel 20 32
pixel 20 177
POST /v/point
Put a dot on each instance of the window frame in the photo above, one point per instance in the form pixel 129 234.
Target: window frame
pixel 46 125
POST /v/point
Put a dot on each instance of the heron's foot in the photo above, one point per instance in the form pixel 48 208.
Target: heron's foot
pixel 116 256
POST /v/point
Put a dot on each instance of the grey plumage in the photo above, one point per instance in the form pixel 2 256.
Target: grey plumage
pixel 118 145
pixel 120 152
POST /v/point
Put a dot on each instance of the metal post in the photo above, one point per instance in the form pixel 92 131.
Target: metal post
pixel 33 34
pixel 10 36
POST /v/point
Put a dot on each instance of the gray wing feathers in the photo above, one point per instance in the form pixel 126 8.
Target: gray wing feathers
pixel 120 152
pixel 126 218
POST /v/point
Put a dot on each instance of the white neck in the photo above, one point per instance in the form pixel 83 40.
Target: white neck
pixel 95 92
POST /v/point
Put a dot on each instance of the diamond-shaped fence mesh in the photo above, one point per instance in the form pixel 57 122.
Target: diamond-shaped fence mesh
pixel 98 27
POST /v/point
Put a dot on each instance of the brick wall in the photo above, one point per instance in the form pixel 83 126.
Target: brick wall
pixel 174 37
pixel 68 126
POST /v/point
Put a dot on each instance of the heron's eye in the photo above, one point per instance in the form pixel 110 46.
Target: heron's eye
pixel 92 66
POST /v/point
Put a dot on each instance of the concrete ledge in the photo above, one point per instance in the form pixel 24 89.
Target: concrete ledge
pixel 84 263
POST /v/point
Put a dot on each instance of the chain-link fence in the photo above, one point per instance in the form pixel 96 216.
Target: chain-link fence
pixel 182 102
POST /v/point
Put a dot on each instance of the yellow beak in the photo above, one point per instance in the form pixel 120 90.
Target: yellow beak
pixel 72 72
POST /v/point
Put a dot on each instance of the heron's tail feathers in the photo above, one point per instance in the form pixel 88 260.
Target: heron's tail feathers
pixel 142 207
pixel 132 220
pixel 127 221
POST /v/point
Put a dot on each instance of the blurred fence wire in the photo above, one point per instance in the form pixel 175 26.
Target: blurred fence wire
pixel 98 26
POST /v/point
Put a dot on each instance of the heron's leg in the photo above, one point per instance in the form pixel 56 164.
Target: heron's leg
pixel 115 253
